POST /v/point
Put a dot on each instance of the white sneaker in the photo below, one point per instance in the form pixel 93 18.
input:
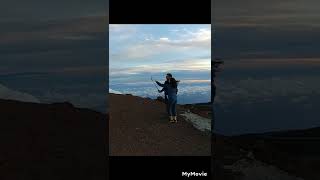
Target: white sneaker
pixel 171 118
pixel 175 118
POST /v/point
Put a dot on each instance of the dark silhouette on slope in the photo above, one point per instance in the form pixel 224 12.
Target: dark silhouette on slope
pixel 51 141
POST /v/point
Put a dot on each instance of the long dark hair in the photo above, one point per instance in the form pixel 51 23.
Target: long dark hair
pixel 173 82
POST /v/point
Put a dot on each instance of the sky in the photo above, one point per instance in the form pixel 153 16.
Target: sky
pixel 137 52
pixel 54 51
pixel 270 77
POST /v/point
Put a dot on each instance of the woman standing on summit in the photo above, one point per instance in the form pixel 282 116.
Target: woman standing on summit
pixel 171 89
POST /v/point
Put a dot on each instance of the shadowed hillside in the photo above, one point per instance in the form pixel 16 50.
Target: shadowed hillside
pixel 51 141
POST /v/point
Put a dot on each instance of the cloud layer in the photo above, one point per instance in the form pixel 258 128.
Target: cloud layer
pixel 258 90
pixel 6 93
pixel 196 64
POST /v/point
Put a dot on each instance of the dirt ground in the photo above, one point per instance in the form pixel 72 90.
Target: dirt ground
pixel 140 127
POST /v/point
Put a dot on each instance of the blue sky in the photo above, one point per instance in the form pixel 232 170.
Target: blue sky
pixel 137 52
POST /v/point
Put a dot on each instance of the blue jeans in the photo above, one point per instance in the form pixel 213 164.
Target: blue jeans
pixel 172 107
pixel 167 103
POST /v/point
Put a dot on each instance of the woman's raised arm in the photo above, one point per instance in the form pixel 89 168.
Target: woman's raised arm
pixel 162 85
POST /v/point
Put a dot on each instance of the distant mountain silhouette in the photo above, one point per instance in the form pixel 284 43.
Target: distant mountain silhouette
pixel 51 141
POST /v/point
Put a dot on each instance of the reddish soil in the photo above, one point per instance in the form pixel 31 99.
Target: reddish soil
pixel 140 127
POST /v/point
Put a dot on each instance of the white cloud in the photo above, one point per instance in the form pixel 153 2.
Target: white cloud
pixel 182 81
pixel 120 28
pixel 200 64
pixel 186 41
pixel 121 32
pixel 114 91
pixel 6 93
pixel 164 39
pixel 202 35
pixel 184 91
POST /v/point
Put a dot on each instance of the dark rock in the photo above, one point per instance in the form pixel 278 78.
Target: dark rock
pixel 161 99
